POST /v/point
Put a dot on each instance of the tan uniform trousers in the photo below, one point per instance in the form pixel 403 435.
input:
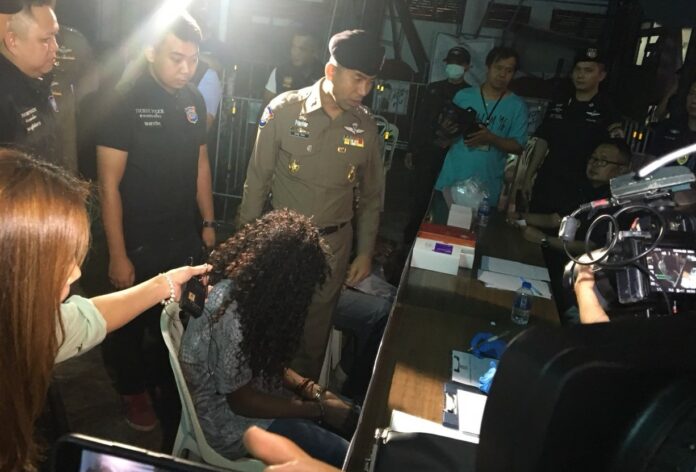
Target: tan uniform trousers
pixel 310 355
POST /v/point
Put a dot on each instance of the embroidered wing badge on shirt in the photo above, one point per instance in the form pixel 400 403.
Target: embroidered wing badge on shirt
pixel 266 117
pixel 353 129
pixel 191 114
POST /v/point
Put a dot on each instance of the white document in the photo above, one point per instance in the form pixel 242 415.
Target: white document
pixel 460 216
pixel 513 283
pixel 470 407
pixel 503 266
pixel 405 423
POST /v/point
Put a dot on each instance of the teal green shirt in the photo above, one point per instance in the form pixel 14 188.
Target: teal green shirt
pixel 508 120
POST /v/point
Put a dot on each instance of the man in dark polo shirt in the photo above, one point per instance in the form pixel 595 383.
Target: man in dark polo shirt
pixel 27 54
pixel 302 70
pixel 572 128
pixel 429 146
pixel 154 178
pixel 677 131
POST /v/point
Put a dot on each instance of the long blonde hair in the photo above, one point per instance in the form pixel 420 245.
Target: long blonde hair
pixel 44 230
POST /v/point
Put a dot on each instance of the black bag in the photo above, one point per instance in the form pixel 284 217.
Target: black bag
pixel 395 451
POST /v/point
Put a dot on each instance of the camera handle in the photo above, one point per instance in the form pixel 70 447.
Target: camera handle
pixel 664 160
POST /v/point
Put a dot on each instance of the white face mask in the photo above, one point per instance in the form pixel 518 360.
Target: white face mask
pixel 454 71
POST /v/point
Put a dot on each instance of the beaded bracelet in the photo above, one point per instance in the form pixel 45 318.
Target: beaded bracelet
pixel 169 300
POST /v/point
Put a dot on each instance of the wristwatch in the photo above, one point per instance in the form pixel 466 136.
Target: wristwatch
pixel 210 224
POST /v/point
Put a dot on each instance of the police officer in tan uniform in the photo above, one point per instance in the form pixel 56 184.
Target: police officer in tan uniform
pixel 315 147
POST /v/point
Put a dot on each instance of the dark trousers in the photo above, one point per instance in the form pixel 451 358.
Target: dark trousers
pixel 137 361
pixel 136 354
pixel 427 166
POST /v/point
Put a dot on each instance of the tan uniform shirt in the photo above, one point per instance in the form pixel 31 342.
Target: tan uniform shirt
pixel 313 164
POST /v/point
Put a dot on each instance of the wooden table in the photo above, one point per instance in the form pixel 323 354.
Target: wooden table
pixel 434 313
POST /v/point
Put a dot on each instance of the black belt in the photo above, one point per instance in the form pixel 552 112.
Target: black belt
pixel 327 230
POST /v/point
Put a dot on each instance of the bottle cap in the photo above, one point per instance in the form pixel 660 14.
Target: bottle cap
pixel 527 285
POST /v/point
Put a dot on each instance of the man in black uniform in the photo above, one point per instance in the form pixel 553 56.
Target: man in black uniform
pixel 302 70
pixel 27 54
pixel 572 128
pixel 676 132
pixel 154 177
pixel 7 9
pixel 428 148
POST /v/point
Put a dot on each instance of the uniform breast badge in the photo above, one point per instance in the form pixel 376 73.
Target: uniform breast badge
pixel 191 114
pixel 294 167
pixel 351 174
pixel 355 141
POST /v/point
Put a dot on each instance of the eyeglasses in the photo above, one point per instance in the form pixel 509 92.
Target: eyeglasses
pixel 599 162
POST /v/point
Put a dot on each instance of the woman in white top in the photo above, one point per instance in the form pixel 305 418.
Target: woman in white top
pixel 44 236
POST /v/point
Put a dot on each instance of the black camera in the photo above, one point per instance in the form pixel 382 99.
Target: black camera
pixel 466 118
pixel 193 297
pixel 195 291
pixel 648 261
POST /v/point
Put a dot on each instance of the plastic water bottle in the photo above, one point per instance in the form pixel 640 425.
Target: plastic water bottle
pixel 484 212
pixel 522 306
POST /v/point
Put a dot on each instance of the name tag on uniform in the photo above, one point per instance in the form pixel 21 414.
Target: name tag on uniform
pixel 355 141
pixel 31 119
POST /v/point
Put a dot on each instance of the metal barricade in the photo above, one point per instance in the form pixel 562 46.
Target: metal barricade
pixel 236 135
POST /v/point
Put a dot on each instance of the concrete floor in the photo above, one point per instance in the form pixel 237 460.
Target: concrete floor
pixel 92 405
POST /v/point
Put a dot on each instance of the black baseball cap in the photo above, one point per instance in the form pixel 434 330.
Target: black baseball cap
pixel 10 7
pixel 591 54
pixel 458 55
pixel 358 50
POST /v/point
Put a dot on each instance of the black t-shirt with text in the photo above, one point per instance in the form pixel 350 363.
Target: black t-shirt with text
pixel 27 114
pixel 573 130
pixel 670 135
pixel 162 133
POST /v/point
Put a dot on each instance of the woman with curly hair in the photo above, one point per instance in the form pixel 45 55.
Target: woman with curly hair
pixel 235 356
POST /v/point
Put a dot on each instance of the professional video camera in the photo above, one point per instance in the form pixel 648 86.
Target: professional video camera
pixel 650 242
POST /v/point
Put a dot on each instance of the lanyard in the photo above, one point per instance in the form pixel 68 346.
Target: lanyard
pixel 485 107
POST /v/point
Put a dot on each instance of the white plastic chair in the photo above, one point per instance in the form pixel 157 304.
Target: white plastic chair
pixel 190 440
pixel 332 357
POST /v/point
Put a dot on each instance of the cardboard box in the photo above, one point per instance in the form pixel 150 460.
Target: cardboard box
pixel 441 256
pixel 432 255
pixel 447 234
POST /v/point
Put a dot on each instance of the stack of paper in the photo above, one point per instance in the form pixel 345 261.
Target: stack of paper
pixel 509 275
pixel 460 216
pixel 405 423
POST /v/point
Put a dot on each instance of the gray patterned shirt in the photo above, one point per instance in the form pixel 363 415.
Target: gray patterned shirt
pixel 209 362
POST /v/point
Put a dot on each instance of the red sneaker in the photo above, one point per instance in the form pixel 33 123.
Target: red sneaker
pixel 139 412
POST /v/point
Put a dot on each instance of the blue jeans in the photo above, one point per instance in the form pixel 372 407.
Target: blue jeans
pixel 316 441
pixel 357 314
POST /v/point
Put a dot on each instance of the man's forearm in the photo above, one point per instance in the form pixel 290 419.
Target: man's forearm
pixel 508 145
pixel 204 193
pixel 542 220
pixel 112 216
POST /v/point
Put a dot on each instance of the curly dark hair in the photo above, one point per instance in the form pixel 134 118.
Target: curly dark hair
pixel 275 264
